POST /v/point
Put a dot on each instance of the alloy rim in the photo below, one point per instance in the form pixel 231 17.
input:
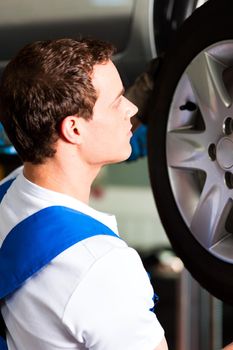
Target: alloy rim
pixel 199 148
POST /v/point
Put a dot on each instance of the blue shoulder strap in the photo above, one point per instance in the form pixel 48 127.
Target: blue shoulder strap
pixel 35 241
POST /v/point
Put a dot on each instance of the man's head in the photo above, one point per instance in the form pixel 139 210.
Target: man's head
pixel 46 82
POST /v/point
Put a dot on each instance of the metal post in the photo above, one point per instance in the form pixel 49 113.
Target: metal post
pixel 199 316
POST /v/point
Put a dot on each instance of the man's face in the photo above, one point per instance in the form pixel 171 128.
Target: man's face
pixel 107 135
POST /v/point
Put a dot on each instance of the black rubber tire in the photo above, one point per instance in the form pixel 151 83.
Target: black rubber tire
pixel 209 24
pixel 168 17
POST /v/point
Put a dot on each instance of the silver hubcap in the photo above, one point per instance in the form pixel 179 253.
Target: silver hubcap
pixel 200 148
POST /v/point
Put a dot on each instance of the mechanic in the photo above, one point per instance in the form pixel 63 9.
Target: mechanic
pixel 67 279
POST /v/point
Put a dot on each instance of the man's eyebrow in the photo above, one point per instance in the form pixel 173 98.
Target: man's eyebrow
pixel 119 95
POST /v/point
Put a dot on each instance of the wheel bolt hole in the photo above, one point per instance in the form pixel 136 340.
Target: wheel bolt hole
pixel 212 151
pixel 188 106
pixel 228 126
pixel 229 180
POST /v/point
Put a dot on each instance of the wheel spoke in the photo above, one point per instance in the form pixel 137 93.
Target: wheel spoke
pixel 205 76
pixel 208 222
pixel 186 150
pixel 223 248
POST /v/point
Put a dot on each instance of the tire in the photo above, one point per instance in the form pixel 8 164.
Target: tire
pixel 168 17
pixel 190 144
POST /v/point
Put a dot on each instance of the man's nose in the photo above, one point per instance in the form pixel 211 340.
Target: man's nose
pixel 131 110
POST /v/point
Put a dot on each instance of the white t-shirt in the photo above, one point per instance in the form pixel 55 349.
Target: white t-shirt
pixel 95 295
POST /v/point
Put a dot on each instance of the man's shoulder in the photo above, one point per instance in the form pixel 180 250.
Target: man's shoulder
pixel 88 251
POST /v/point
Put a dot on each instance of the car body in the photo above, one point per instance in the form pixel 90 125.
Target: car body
pixel 140 30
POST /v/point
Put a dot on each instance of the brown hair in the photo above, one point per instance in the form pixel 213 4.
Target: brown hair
pixel 46 82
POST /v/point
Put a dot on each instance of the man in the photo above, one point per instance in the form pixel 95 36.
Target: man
pixel 62 106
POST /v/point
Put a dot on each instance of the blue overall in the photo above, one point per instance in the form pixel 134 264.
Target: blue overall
pixel 50 230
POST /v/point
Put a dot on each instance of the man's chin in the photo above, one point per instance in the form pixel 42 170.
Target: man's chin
pixel 120 159
pixel 125 156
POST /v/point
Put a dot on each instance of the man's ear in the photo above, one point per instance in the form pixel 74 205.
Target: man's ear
pixel 70 129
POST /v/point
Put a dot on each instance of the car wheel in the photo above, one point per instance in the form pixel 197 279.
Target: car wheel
pixel 190 146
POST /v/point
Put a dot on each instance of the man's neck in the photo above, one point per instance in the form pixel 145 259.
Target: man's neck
pixel 59 177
